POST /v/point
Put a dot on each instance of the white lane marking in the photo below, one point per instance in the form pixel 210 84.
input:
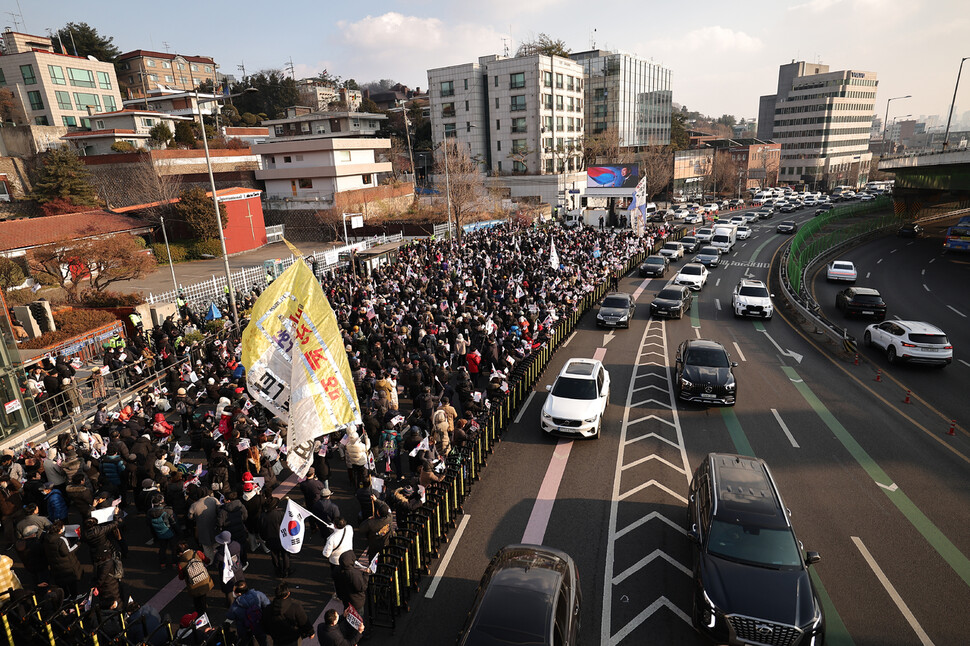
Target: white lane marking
pixel 440 572
pixel 925 287
pixel 738 348
pixel 528 400
pixel 566 342
pixel 922 273
pixel 957 311
pixel 639 290
pixel 697 332
pixel 892 487
pixel 879 261
pixel 717 304
pixel 868 273
pixel 932 259
pixel 893 251
pixel 898 600
pixel 964 363
pixel 784 427
pixel 717 282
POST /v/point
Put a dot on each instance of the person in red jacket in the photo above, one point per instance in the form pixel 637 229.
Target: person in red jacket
pixel 474 360
pixel 161 428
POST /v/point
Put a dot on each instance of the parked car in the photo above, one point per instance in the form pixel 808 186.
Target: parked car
pixel 704 373
pixel 866 197
pixel 672 250
pixel 577 400
pixel 739 203
pixel 909 230
pixel 913 341
pixel 654 266
pixel 744 232
pixel 751 298
pixel 841 270
pixel 751 578
pixel 616 310
pixel 709 256
pixel 693 275
pixel 711 208
pixel 529 594
pixel 861 301
pixel 788 226
pixel 673 301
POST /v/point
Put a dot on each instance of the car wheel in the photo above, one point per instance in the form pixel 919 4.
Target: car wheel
pixel 891 354
pixel 867 338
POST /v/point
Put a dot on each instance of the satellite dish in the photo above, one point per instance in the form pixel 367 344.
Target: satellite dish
pixel 92 58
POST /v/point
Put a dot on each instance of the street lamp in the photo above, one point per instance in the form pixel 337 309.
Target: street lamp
pixel 407 133
pixel 946 136
pixel 885 121
pixel 896 118
pixel 215 199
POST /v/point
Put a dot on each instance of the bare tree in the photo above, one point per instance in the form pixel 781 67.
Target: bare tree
pixel 160 185
pixel 602 147
pixel 657 166
pixel 465 182
pixel 102 261
pixel 724 173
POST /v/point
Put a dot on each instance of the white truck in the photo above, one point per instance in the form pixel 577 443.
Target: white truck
pixel 725 235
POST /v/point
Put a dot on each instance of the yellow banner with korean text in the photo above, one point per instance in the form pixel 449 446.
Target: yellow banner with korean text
pixel 296 365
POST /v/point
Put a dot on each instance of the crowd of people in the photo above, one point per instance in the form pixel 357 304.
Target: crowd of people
pixel 432 340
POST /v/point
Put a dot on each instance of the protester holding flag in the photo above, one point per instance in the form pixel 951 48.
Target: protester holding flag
pixel 270 529
pixel 228 565
pixel 340 541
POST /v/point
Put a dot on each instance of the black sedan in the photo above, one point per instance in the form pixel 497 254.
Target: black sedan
pixel 654 266
pixel 689 243
pixel 910 230
pixel 861 301
pixel 708 256
pixel 673 301
pixel 788 226
pixel 617 310
pixel 705 373
pixel 789 208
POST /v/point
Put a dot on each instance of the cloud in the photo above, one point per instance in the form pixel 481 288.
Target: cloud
pixel 394 45
pixel 715 38
pixel 815 6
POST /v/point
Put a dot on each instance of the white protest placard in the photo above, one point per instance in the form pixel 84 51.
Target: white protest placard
pixel 377 484
pixel 103 515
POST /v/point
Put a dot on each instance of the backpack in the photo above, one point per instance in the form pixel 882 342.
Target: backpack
pixel 196 575
pixel 253 619
pixel 181 407
pixel 119 568
pixel 161 527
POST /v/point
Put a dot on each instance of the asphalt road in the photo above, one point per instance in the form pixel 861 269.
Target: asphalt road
pixel 873 484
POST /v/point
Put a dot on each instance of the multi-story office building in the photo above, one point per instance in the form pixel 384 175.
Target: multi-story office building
pixel 55 89
pixel 519 116
pixel 141 71
pixel 822 119
pixel 627 94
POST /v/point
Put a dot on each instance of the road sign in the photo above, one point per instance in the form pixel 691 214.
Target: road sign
pixel 356 222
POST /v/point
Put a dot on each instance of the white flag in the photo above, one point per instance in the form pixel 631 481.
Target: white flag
pixel 293 526
pixel 553 256
pixel 422 446
pixel 226 564
pixel 519 293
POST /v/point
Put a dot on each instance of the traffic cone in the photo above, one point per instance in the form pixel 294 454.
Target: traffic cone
pixel 906 401
pixel 879 374
pixel 953 425
pixel 856 358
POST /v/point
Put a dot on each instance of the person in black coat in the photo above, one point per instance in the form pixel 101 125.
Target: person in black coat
pixel 64 564
pixel 109 586
pixel 333 632
pixel 285 620
pixel 350 582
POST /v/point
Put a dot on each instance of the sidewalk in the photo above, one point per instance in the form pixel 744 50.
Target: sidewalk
pixel 196 271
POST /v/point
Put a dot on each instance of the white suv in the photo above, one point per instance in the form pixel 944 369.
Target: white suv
pixel 751 298
pixel 577 400
pixel 913 341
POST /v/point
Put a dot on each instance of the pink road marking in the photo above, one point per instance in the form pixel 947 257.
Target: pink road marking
pixel 639 290
pixel 164 596
pixel 535 530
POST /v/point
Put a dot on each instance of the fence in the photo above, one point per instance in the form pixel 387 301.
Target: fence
pixel 214 289
pixel 274 233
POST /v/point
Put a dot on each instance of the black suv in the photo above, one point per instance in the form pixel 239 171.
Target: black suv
pixel 861 301
pixel 704 373
pixel 751 581
pixel 529 594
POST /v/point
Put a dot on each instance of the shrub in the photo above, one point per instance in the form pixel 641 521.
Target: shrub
pixel 70 323
pixel 215 326
pixel 45 279
pixel 123 147
pixel 193 337
pixel 209 247
pixel 11 273
pixel 19 297
pixel 178 251
pixel 92 298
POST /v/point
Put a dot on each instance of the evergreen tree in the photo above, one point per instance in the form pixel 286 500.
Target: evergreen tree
pixel 87 40
pixel 65 176
pixel 160 135
pixel 184 134
pixel 195 208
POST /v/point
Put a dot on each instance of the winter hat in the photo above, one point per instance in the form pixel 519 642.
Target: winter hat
pixel 223 538
pixel 188 620
pixel 248 484
pixel 181 391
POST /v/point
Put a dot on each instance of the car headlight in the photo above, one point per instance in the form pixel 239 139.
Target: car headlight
pixel 599 317
pixel 709 616
pixel 623 317
pixel 591 419
pixel 731 385
pixel 685 384
pixel 546 415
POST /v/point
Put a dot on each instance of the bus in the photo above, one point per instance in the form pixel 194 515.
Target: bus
pixel 958 236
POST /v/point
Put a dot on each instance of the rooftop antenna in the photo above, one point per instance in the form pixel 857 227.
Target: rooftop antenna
pixel 289 68
pixel 592 40
pixel 165 45
pixel 505 50
pixel 16 23
pixel 21 12
pixel 242 68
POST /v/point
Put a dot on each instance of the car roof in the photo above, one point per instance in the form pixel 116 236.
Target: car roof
pixel 866 291
pixel 745 491
pixel 620 294
pixel 581 368
pixel 704 343
pixel 750 282
pixel 919 327
pixel 692 264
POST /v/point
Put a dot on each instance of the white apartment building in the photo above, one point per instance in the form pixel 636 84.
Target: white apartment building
pixel 302 122
pixel 319 97
pixel 108 128
pixel 823 121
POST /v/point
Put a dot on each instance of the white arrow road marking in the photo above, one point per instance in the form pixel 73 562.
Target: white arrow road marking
pixel 898 600
pixel 609 337
pixel 922 273
pixel 784 427
pixel 892 487
pixel 787 353
pixel 932 259
pixel 879 261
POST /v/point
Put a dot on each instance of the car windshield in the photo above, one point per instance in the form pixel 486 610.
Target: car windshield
pixel 690 270
pixel 708 251
pixel 615 301
pixel 847 266
pixel 672 245
pixel 704 231
pixel 933 339
pixel 572 388
pixel 710 357
pixel 759 292
pixel 654 260
pixel 753 544
pixel 670 294
pixel 868 298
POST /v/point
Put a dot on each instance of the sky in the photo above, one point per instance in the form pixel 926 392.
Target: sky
pixel 723 56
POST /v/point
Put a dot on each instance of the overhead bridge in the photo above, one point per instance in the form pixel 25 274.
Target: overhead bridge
pixel 926 180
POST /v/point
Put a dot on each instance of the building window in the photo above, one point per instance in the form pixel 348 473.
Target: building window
pixel 63 100
pixel 496 103
pixel 149 62
pixel 547 123
pixel 80 78
pixel 131 80
pixel 148 123
pixel 547 101
pixel 466 84
pixel 208 68
pixel 500 167
pixel 153 77
pixel 518 124
pixel 447 110
pixel 560 103
pixel 306 183
pixel 41 120
pixel 519 167
pixel 287 159
pixel 343 156
pixel 569 83
pixel 449 130
pixel 99 124
pixel 365 178
pixel 600 94
pixel 570 124
pixel 57 75
pixel 517 81
pixel 498 146
pixel 166 65
pixel 194 67
pixel 70 122
pixel 549 166
pixel 559 81
pixel 181 66
pixel 82 100
pixel 168 78
pixel 27 71
pixel 36 102
pixel 496 81
pixel 559 124
pixel 278 129
pixel 498 124
pixel 468 126
pixel 599 111
pixel 518 103
pixel 547 79
pixel 109 103
pixel 305 127
pixel 571 103
pixel 447 88
pixel 466 106
pixel 519 146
